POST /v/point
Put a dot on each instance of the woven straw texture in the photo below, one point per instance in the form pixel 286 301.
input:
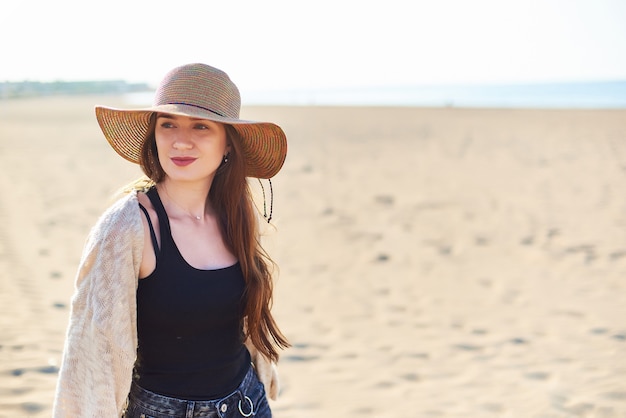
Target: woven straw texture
pixel 200 91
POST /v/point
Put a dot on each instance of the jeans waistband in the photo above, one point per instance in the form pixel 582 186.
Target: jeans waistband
pixel 176 407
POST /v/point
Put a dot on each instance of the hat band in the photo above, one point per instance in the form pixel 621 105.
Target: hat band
pixel 199 107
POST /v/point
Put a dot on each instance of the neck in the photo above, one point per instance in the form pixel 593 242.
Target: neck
pixel 185 199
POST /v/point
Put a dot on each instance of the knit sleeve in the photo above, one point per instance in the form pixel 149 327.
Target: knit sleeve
pixel 101 341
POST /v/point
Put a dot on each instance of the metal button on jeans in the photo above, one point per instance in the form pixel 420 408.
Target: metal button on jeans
pixel 224 408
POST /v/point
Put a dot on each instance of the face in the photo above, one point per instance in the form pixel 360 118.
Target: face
pixel 190 149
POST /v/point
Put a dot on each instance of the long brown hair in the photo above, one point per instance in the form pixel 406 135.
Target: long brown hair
pixel 231 200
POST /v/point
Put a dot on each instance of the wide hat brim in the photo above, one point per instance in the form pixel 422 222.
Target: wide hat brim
pixel 264 144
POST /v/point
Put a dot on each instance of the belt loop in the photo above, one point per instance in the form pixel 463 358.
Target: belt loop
pixel 190 407
pixel 248 405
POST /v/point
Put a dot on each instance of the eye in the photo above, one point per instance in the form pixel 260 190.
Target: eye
pixel 201 126
pixel 167 125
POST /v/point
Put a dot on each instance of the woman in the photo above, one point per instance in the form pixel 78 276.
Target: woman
pixel 171 315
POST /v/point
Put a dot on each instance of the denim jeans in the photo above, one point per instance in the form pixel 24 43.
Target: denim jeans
pixel 248 400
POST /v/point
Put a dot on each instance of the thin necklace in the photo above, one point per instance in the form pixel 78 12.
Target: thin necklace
pixel 196 217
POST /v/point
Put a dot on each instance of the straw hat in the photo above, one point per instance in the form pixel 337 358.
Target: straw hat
pixel 199 91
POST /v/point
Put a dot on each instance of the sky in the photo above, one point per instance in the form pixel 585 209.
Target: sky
pixel 287 44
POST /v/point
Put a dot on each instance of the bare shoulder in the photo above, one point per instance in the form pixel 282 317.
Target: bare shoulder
pixel 144 200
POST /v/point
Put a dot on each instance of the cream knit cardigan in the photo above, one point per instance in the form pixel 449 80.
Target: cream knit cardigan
pixel 101 342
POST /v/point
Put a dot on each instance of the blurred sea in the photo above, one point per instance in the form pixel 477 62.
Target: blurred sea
pixel 594 95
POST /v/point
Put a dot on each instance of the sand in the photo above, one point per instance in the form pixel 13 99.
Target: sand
pixel 433 262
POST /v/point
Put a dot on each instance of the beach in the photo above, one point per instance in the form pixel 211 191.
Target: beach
pixel 434 262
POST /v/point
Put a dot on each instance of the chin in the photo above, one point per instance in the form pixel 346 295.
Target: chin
pixel 189 177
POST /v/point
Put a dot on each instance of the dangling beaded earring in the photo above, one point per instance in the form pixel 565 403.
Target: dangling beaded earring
pixel 269 218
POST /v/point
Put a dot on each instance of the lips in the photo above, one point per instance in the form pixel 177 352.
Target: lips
pixel 183 161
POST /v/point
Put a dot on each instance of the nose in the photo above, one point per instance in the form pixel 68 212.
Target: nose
pixel 182 141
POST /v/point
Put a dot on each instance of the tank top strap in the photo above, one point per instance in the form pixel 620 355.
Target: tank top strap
pixel 164 221
pixel 155 244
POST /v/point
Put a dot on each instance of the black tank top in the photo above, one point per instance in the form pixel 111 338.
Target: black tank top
pixel 189 324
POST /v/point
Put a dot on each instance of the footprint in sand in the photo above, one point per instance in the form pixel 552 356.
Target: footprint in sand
pixel 384 200
pixel 411 377
pixel 616 255
pixel 537 376
pixel 615 396
pixel 298 359
pixel 468 347
pixel 32 407
pixel 528 240
pixel 382 258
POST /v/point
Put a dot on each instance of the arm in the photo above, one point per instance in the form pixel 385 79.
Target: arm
pixel 100 347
